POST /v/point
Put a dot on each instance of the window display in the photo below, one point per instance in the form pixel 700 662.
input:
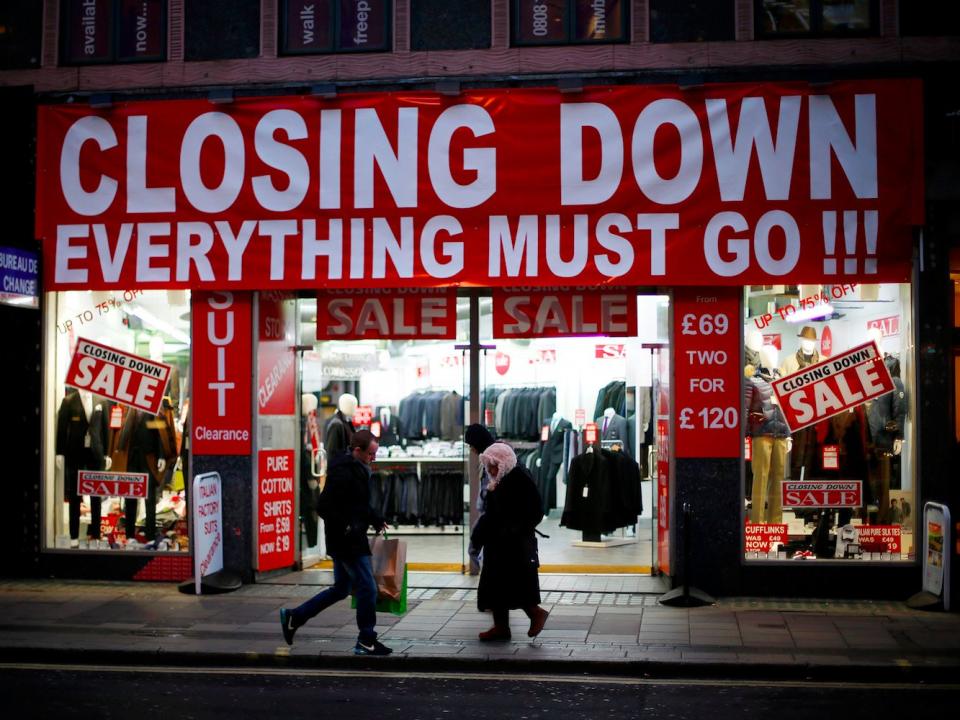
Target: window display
pixel 827 397
pixel 116 408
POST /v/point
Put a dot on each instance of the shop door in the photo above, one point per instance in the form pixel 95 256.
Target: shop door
pixel 581 416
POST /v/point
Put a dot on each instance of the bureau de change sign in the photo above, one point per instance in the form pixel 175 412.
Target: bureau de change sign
pixel 829 388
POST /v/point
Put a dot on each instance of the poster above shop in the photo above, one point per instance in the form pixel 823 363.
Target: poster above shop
pixel 391 314
pixel 564 313
pixel 735 184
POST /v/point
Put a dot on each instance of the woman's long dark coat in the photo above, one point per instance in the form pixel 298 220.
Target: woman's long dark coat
pixel 509 579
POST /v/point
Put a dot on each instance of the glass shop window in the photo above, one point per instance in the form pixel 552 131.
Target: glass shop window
pixel 115 402
pixel 565 22
pixel 328 26
pixel 112 31
pixel 829 418
pixel 816 18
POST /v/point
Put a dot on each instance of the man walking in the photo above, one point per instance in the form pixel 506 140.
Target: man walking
pixel 345 508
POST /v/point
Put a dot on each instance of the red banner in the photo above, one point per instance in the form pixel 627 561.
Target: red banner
pixel 707 372
pixel 880 538
pixel 564 313
pixel 731 184
pixel 830 387
pixel 761 538
pixel 394 314
pixel 111 484
pixel 275 510
pixel 821 493
pixel 117 375
pixel 222 348
pixel 276 356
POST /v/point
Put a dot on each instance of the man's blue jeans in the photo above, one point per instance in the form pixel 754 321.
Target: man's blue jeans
pixel 349 571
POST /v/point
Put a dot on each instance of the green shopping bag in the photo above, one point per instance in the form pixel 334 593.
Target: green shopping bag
pixel 388 559
pixel 388 605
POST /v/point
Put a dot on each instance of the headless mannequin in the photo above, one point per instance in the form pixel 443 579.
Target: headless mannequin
pixel 886 416
pixel 308 483
pixel 339 429
pixel 81 445
pixel 614 427
pixel 803 458
pixel 551 460
pixel 770 442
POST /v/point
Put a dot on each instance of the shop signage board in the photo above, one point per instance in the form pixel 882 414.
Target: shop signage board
pixel 880 538
pixel 19 277
pixel 736 184
pixel 888 326
pixel 406 313
pixel 763 537
pixel 564 313
pixel 111 484
pixel 276 355
pixel 833 386
pixel 207 536
pixel 707 373
pixel 830 457
pixel 275 509
pixel 119 376
pixel 222 365
pixel 937 551
pixel 822 493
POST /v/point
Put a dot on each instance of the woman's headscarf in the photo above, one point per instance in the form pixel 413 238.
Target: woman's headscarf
pixel 501 455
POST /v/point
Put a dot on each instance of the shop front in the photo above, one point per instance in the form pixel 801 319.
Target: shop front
pixel 677 306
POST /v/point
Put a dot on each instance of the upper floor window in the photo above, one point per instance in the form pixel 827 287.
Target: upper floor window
pixel 327 26
pixel 112 31
pixel 21 27
pixel 816 18
pixel 445 25
pixel 220 29
pixel 929 19
pixel 561 22
pixel 673 21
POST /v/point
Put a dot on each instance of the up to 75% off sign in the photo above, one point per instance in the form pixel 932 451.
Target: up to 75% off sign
pixel 707 373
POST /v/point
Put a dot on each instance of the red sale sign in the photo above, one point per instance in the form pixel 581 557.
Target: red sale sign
pixel 275 510
pixel 707 372
pixel 833 386
pixel 391 314
pixel 644 184
pixel 221 416
pixel 120 376
pixel 610 351
pixel 821 493
pixel 880 538
pixel 362 415
pixel 888 326
pixel 763 537
pixel 111 484
pixel 562 313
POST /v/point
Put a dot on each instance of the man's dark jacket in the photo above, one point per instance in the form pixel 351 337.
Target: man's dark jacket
pixel 345 508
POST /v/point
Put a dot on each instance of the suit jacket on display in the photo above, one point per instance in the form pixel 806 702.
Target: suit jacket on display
pixel 617 429
pixel 337 434
pixel 451 416
pixel 391 428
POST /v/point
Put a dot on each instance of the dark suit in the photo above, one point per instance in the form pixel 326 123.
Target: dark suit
pixel 451 416
pixel 82 442
pixel 551 458
pixel 337 434
pixel 391 428
pixel 617 429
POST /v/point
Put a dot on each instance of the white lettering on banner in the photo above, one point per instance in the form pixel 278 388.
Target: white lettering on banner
pixel 220 385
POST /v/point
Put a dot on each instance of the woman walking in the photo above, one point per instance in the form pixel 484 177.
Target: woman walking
pixel 509 578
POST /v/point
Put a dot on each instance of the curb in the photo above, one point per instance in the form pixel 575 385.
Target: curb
pixel 506 666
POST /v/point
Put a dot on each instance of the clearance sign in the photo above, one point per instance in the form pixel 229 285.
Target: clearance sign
pixel 830 387
pixel 729 184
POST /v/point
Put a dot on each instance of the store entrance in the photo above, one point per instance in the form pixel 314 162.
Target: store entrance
pixel 578 411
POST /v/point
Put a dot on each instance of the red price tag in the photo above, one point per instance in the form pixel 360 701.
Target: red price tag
pixel 488 418
pixel 116 417
pixel 544 433
pixel 830 457
pixel 590 433
pixel 579 416
pixel 363 415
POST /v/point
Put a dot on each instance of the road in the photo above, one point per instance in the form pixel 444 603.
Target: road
pixel 75 691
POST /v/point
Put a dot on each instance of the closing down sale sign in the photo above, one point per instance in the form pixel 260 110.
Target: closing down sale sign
pixel 828 388
pixel 117 375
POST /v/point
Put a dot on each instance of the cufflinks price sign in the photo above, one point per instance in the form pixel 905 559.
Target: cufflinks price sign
pixel 707 375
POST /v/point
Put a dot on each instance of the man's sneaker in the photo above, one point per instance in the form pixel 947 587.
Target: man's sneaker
pixel 286 624
pixel 371 648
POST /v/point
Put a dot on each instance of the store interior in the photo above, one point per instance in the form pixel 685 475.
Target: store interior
pixel 536 394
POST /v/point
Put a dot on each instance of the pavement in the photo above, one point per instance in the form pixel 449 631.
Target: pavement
pixel 620 631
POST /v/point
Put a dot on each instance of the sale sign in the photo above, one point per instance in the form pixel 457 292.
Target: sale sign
pixel 763 537
pixel 275 509
pixel 111 484
pixel 830 457
pixel 888 326
pixel 222 367
pixel 391 314
pixel 880 538
pixel 362 415
pixel 118 375
pixel 610 351
pixel 822 493
pixel 637 184
pixel 833 386
pixel 564 313
pixel 276 356
pixel 707 372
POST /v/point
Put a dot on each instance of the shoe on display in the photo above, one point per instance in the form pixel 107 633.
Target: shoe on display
pixel 286 624
pixel 371 648
pixel 538 620
pixel 495 633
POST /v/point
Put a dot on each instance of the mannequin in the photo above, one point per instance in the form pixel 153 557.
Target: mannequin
pixel 391 429
pixel 886 417
pixel 803 459
pixel 614 427
pixel 769 431
pixel 551 459
pixel 339 429
pixel 751 353
pixel 144 444
pixel 308 483
pixel 81 442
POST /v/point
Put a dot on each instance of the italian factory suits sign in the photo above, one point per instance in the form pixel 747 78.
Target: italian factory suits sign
pixel 729 184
